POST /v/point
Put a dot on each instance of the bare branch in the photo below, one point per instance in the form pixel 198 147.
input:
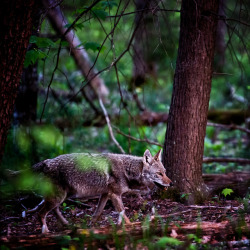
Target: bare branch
pixel 236 20
pixel 230 127
pixel 83 13
pixel 137 139
pixel 144 10
pixel 51 79
pixel 109 126
pixel 226 160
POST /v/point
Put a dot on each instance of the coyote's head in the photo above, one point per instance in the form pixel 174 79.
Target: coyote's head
pixel 153 170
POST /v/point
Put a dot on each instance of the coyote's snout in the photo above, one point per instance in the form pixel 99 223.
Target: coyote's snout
pixel 106 175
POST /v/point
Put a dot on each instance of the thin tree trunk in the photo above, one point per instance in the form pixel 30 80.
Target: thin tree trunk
pixel 16 19
pixel 220 44
pixel 79 54
pixel 143 63
pixel 184 142
pixel 26 101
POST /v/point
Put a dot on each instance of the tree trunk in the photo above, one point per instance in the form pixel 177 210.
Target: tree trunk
pixel 16 19
pixel 58 21
pixel 184 142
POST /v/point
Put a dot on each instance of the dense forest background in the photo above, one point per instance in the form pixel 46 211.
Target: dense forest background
pixel 57 109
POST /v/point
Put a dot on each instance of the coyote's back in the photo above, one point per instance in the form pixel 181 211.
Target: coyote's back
pixel 79 174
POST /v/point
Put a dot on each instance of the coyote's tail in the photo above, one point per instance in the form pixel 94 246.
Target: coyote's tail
pixel 38 167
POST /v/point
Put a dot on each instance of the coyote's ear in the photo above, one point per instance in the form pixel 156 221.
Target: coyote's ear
pixel 147 157
pixel 157 157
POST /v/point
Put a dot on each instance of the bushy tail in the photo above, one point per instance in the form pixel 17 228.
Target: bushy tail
pixel 38 167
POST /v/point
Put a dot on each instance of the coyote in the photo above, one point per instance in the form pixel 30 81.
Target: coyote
pixel 106 175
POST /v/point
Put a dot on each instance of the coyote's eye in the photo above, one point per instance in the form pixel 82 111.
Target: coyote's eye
pixel 159 173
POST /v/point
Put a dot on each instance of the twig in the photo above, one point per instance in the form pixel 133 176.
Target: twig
pixel 9 218
pixel 109 125
pixel 137 139
pixel 79 16
pixel 215 207
pixel 174 214
pixel 226 160
pixel 79 203
pixel 144 10
pixel 51 80
pixel 230 127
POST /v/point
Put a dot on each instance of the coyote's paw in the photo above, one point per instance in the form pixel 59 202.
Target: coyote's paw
pixel 45 229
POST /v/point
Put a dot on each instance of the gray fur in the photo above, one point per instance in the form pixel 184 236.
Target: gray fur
pixel 106 175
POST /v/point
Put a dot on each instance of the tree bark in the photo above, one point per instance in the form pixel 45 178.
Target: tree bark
pixel 184 142
pixel 16 19
pixel 58 21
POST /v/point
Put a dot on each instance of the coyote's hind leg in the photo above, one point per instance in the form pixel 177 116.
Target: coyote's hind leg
pixel 50 203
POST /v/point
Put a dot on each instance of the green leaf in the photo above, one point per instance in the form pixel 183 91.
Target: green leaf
pixel 108 4
pixel 67 25
pixel 78 26
pixel 80 10
pixel 32 56
pixel 33 39
pixel 42 42
pixel 227 191
pixel 99 13
pixel 92 46
pixel 63 43
pixel 75 27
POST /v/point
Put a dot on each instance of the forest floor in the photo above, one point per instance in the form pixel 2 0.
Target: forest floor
pixel 220 223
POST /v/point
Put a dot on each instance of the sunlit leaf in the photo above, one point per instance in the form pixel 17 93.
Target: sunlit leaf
pixel 227 191
pixel 47 136
pixel 162 242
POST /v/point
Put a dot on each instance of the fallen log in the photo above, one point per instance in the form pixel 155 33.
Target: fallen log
pixel 239 182
pixel 150 118
pixel 98 237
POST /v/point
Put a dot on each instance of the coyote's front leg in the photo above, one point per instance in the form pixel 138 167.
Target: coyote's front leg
pixel 101 204
pixel 118 204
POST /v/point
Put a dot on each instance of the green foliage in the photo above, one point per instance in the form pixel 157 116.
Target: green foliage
pixel 99 13
pixel 163 242
pixel 108 4
pixel 185 196
pixel 227 191
pixel 32 56
pixel 76 26
pixel 93 46
pixel 42 42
